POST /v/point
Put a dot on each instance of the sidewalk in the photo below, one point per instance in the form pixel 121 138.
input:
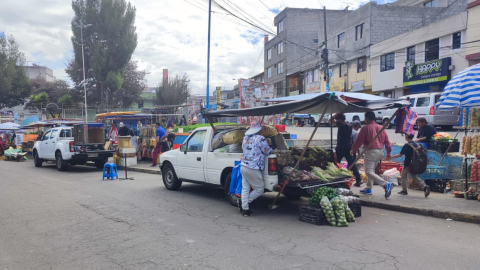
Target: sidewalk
pixel 438 205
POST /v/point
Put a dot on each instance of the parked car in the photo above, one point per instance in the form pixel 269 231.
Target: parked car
pixel 59 145
pixel 424 106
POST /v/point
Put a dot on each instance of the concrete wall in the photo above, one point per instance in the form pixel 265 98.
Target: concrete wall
pixel 45 73
pixel 393 79
pixel 472 50
pixel 417 3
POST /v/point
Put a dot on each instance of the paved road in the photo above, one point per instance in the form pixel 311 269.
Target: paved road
pixel 324 133
pixel 73 220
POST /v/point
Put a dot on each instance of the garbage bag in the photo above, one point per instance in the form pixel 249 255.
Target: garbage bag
pixel 236 181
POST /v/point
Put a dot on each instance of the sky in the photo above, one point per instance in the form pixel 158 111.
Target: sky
pixel 172 34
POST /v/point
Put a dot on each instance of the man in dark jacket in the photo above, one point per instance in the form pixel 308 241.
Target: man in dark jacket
pixel 425 132
pixel 344 145
pixel 123 131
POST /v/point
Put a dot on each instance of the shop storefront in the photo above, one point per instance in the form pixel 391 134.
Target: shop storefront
pixel 431 76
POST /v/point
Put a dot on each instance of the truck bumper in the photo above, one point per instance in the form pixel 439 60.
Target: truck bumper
pixel 91 156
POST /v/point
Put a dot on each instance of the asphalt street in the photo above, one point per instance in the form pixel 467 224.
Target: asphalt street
pixel 324 133
pixel 74 220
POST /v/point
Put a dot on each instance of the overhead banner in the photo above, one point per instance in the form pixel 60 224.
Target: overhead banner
pixel 429 72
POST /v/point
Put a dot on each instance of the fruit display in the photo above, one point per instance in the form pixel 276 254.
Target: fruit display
pixel 464 114
pixel 475 141
pixel 314 156
pixel 321 192
pixel 470 194
pixel 328 210
pixel 339 209
pixel 467 145
pixel 348 212
pixel 475 172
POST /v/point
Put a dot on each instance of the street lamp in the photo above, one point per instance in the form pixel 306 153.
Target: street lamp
pixel 83 61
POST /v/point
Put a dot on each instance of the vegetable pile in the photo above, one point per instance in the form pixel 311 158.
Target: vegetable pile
pixel 314 156
pixel 322 192
pixel 328 211
pixel 339 209
pixel 299 176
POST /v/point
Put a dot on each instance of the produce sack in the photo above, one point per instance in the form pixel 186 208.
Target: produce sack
pixel 280 142
pixel 328 211
pixel 268 131
pixel 391 176
pixel 339 208
pixel 348 212
pixel 217 141
pixel 284 157
pixel 235 148
pixel 233 137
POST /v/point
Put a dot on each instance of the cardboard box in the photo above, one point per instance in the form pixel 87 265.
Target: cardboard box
pixel 124 141
pixel 131 161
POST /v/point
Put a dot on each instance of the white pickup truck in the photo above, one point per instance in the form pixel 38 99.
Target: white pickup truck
pixel 58 145
pixel 196 162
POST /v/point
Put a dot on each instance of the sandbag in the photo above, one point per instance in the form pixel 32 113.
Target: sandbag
pixel 217 141
pixel 268 131
pixel 234 137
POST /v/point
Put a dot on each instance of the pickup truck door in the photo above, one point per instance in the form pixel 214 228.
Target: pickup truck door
pixel 43 144
pixel 190 158
pixel 50 144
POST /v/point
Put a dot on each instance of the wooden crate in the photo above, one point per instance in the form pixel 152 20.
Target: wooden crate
pixel 88 134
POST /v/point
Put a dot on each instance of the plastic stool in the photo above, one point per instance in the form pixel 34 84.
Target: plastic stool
pixel 110 171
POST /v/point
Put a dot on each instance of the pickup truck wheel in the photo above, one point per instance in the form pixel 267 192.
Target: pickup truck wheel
pixel 170 179
pixel 36 160
pixel 312 122
pixel 447 128
pixel 231 198
pixel 61 166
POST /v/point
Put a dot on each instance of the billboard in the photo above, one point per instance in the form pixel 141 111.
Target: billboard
pixel 429 72
pixel 251 95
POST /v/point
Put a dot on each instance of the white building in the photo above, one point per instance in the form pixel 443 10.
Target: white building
pixel 34 72
pixel 433 54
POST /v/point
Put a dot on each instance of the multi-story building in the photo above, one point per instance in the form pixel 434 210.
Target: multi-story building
pixel 35 72
pixel 297 36
pixel 422 60
pixel 472 35
pixel 351 38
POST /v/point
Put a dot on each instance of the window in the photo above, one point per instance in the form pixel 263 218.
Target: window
pixel 269 54
pixel 279 87
pixel 315 75
pixel 431 3
pixel 423 102
pixel 269 72
pixel 457 40
pixel 359 32
pixel 46 136
pixel 340 71
pixel 280 27
pixel 310 77
pixel 195 144
pixel 341 40
pixel 280 68
pixel 53 134
pixel 437 97
pixel 315 40
pixel 361 64
pixel 387 62
pixel 280 48
pixel 389 94
pixel 432 50
pixel 411 54
pixel 66 133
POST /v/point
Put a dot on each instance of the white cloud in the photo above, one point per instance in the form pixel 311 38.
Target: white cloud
pixel 171 34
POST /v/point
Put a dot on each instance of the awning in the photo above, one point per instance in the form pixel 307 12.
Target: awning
pixel 115 113
pixel 348 96
pixel 315 105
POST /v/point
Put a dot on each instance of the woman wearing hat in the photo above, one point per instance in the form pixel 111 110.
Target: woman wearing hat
pixel 255 148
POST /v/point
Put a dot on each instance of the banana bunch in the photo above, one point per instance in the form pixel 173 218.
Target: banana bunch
pixel 474 149
pixel 468 145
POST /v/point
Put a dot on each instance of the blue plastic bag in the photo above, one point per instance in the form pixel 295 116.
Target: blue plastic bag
pixel 236 181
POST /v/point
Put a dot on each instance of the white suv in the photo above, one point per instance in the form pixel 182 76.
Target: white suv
pixel 424 106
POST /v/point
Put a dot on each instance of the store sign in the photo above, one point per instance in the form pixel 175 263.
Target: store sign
pixel 429 72
pixel 313 87
pixel 358 86
pixel 294 93
pixel 218 95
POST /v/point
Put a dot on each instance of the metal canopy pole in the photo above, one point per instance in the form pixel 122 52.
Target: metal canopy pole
pixel 450 145
pixel 285 183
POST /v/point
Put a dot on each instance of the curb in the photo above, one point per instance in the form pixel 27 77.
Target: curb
pixel 424 212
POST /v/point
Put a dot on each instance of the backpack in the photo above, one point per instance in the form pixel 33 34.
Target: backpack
pixel 419 160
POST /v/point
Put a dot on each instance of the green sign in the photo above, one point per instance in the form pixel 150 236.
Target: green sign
pixel 429 72
pixel 432 80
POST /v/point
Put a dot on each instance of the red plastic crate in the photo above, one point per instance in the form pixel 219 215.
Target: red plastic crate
pixel 279 128
pixel 382 167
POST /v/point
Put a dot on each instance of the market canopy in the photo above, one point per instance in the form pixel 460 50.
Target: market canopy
pixel 10 126
pixel 349 96
pixel 463 90
pixel 329 102
pixel 115 113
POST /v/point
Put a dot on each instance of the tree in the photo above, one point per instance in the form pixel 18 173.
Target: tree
pixel 36 100
pixel 109 42
pixel 174 92
pixel 14 83
pixel 58 92
pixel 132 86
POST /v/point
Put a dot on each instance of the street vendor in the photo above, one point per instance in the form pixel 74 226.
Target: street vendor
pixel 344 145
pixel 123 131
pixel 159 133
pixel 425 132
pixel 255 148
pixel 40 136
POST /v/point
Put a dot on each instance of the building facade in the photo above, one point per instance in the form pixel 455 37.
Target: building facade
pixel 472 35
pixel 422 60
pixel 35 72
pixel 286 54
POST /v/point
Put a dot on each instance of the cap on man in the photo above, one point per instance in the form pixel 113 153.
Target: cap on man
pixel 425 132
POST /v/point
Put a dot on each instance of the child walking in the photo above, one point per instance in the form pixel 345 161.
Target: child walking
pixel 407 150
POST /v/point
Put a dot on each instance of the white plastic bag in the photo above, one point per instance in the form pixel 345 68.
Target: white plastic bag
pixel 391 176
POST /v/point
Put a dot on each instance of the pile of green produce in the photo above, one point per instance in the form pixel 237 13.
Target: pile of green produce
pixel 334 171
pixel 322 192
pixel 328 211
pixel 314 156
pixel 348 212
pixel 339 208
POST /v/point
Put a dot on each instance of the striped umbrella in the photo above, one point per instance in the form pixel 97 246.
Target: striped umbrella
pixel 463 90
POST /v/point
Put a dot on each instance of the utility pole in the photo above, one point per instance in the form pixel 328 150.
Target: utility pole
pixel 208 55
pixel 326 69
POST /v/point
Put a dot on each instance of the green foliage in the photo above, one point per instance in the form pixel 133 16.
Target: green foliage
pixel 38 99
pixel 55 91
pixel 14 83
pixel 65 99
pixel 109 44
pixel 174 92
